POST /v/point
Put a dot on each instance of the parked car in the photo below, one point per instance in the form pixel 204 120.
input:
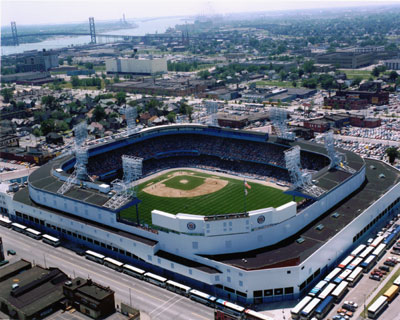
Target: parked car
pixel 384 268
pixel 375 277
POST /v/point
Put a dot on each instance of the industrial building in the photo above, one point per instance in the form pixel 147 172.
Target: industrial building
pixel 136 66
pixel 170 87
pixel 356 100
pixel 28 292
pixel 393 64
pixel 37 61
pixel 92 299
pixel 33 292
pixel 346 59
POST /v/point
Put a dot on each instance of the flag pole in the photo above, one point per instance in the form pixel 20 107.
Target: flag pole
pixel 244 195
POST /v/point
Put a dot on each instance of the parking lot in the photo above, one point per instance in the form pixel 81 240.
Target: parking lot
pixel 368 287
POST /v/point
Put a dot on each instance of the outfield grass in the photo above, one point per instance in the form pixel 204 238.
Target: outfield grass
pixel 230 199
pixel 192 182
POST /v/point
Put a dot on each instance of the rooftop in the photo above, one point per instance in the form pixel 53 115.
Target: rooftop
pixel 290 253
pixel 38 289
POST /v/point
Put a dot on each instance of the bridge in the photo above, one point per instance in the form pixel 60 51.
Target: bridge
pixel 92 33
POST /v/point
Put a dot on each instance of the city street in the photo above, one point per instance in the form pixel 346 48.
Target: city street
pixel 158 303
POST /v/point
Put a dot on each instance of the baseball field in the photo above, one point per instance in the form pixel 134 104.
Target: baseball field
pixel 193 192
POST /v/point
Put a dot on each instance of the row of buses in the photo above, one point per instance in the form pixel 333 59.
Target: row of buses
pixel 334 286
pixel 34 234
pixel 234 310
pixel 381 303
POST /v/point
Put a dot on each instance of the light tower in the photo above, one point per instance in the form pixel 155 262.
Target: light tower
pixel 81 159
pixel 337 159
pixel 125 189
pixel 130 116
pixel 212 110
pixel 278 117
pixel 330 148
pixel 300 179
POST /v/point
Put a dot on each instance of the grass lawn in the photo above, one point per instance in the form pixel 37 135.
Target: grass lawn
pixel 354 73
pixel 229 199
pixel 287 84
pixel 191 182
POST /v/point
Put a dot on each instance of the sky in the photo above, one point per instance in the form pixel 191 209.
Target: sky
pixel 36 12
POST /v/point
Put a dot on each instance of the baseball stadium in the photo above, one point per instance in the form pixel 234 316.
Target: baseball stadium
pixel 216 209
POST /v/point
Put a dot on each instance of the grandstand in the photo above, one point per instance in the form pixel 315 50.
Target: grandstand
pixel 259 253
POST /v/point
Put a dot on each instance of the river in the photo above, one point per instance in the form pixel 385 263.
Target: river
pixel 158 25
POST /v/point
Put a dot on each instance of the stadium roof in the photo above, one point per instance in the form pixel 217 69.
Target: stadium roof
pixel 291 253
pixel 23 197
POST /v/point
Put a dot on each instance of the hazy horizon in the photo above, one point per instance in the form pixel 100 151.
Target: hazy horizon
pixel 39 12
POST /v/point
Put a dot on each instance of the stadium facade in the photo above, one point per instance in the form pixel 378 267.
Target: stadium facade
pixel 269 254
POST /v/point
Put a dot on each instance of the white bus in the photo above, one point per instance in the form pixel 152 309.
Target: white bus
pixel 377 241
pixel 397 281
pixel 155 279
pixel 51 240
pixel 368 263
pixel 5 222
pixel 253 315
pixel 379 250
pixel 342 276
pixel 366 252
pixel 354 263
pixel 308 311
pixel 340 291
pixel 358 250
pixel 18 227
pixel 355 276
pixel 113 264
pixel 33 233
pixel 345 262
pixel 332 275
pixel 327 291
pixel 94 256
pixel 295 312
pixel 229 307
pixel 177 287
pixel 377 307
pixel 202 297
pixel 133 271
pixel 317 289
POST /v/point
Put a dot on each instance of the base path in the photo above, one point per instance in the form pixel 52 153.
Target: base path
pixel 210 185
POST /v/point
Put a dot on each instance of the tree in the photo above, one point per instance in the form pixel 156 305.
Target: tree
pixel 99 113
pixel 61 61
pixel 121 98
pixel 69 60
pixel 49 101
pixel 47 126
pixel 89 65
pixel 393 76
pixel 75 81
pixel 7 94
pixel 392 153
pixel 357 80
pixel 308 66
pixel 37 132
pixel 171 117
